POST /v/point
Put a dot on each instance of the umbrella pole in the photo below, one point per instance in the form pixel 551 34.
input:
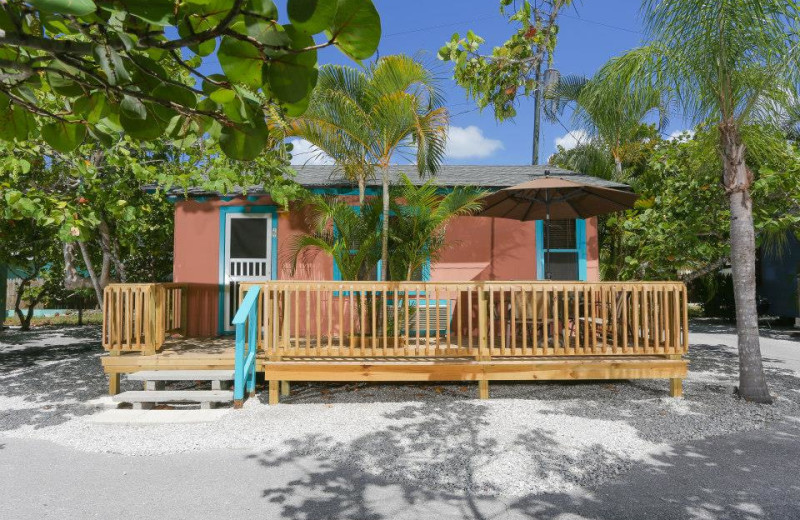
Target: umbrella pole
pixel 547 272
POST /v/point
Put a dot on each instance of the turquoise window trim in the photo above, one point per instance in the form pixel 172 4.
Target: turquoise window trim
pixel 580 237
pixel 223 212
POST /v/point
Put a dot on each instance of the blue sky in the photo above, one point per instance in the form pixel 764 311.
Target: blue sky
pixel 591 32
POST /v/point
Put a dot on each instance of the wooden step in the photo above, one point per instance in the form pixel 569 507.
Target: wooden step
pixel 182 375
pixel 175 396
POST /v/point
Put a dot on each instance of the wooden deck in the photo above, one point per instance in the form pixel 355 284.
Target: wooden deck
pixel 176 353
pixel 409 331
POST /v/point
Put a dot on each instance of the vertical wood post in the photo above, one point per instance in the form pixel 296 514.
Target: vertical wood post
pixel 676 387
pixel 185 310
pixel 151 329
pixel 483 389
pixel 113 383
pixel 285 388
pixel 273 392
pixel 483 330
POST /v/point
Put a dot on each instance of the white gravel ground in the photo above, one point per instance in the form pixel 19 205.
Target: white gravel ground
pixel 529 438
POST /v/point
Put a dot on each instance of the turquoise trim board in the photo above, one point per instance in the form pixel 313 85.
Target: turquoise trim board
pixel 223 212
pixel 246 324
pixel 580 237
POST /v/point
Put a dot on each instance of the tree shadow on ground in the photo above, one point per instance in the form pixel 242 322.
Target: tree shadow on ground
pixel 709 406
pixel 721 326
pixel 430 461
pixel 424 453
pixel 10 338
pixel 50 376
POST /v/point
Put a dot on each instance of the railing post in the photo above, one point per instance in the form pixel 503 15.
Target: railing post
pixel 238 371
pixel 483 330
pixel 185 310
pixel 151 330
pixel 252 349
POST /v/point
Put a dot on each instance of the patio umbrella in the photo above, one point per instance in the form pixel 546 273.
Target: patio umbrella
pixel 558 197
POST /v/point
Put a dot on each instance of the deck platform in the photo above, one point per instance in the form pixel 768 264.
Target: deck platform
pixel 409 331
pixel 176 354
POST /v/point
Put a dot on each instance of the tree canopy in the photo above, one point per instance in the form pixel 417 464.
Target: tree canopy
pixel 72 70
pixel 513 68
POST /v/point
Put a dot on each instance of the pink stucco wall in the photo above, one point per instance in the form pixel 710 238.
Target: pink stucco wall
pixel 481 249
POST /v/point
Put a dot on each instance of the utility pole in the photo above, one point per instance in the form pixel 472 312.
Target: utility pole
pixel 537 113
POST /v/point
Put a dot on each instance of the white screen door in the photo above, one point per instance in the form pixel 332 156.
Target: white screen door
pixel 248 256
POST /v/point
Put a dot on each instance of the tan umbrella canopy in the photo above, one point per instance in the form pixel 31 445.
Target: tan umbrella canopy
pixel 550 197
pixel 558 197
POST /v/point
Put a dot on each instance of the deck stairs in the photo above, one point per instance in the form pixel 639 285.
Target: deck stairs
pixel 154 388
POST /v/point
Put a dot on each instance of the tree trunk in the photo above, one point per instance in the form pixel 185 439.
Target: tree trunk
pixel 385 227
pixel 111 248
pixel 362 189
pixel 24 318
pixel 72 280
pixel 98 290
pixel 737 179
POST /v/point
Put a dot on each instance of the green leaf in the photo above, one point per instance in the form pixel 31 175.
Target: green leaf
pixel 292 77
pixel 64 136
pixel 271 34
pixel 265 8
pixel 170 92
pixel 243 143
pixel 73 7
pixel 289 82
pixel 60 83
pixel 240 61
pixel 111 64
pixel 140 120
pixel 158 12
pixel 356 28
pixel 15 123
pixel 311 16
pixel 91 108
pixel 132 108
pixel 223 95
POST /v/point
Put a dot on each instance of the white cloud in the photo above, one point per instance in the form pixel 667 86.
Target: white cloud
pixel 571 139
pixel 470 143
pixel 306 153
pixel 681 135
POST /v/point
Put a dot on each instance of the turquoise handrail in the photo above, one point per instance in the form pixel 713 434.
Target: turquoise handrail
pixel 246 319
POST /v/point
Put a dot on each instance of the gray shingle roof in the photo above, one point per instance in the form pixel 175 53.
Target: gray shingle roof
pixel 483 176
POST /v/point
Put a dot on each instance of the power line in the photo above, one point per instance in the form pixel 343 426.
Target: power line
pixel 602 24
pixel 486 17
pixel 439 26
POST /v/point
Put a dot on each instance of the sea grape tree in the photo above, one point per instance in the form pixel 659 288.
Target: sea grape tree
pixel 78 70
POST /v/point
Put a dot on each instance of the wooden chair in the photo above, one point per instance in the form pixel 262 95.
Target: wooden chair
pixel 533 324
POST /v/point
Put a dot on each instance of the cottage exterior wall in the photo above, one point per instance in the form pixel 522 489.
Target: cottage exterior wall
pixel 481 249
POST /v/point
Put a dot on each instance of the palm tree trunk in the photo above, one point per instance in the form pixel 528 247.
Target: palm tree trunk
pixel 362 189
pixel 737 179
pixel 385 227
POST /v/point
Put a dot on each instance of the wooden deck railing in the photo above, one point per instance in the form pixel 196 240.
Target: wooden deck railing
pixel 137 317
pixel 482 320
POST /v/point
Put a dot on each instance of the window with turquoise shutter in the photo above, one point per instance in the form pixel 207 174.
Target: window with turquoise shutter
pixel 567 250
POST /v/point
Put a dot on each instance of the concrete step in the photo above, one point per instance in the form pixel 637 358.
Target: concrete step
pixel 175 396
pixel 182 375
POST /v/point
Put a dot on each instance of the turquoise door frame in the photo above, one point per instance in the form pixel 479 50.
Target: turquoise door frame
pixel 580 237
pixel 224 211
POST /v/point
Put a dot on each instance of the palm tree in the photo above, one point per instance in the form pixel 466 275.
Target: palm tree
pixel 613 118
pixel 365 119
pixel 732 63
pixel 349 235
pixel 421 215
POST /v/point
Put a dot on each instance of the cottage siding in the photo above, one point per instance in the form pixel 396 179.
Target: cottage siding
pixel 482 249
